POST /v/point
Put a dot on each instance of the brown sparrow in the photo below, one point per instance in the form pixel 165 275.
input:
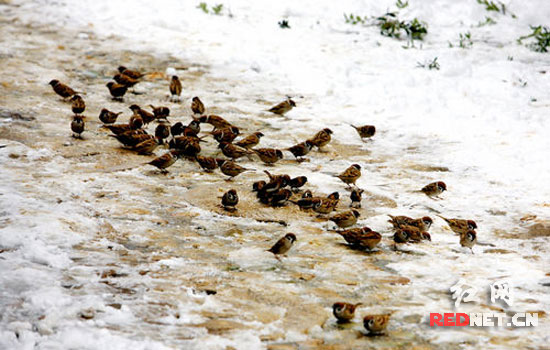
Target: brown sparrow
pixel 355 197
pixel 268 155
pixel 118 128
pixel 280 197
pixel 361 238
pixel 322 138
pixel 197 106
pixel 232 151
pixel 307 194
pixel 351 174
pixel 165 160
pixel 146 147
pixel 250 140
pixel 460 225
pixel 162 131
pixel 401 236
pixel 423 223
pixel 434 189
pixel 187 145
pixel 376 324
pixel 208 164
pixel 131 73
pixel 160 112
pixel 300 150
pixel 125 80
pixel 145 115
pixel 131 138
pixel 229 200
pixel 108 117
pixel 297 182
pixel 78 106
pixel 468 239
pixel 345 219
pixel 344 312
pixel 117 90
pixel 283 245
pixel 275 182
pixel 415 234
pixel 258 185
pixel 226 134
pixel 365 131
pixel 77 126
pixel 175 88
pixel 325 205
pixel 230 168
pixel 216 121
pixel 135 122
pixel 61 89
pixel 282 107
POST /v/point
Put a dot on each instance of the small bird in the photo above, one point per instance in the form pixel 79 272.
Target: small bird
pixel 460 225
pixel 230 168
pixel 361 238
pixel 108 117
pixel 175 88
pixel 62 89
pixel 268 155
pixel 355 197
pixel 232 151
pixel 376 324
pixel 300 150
pixel 258 185
pixel 177 129
pixel 282 107
pixel 276 182
pixel 226 134
pixel 146 147
pixel 423 223
pixel 434 189
pixel 197 106
pixel 165 161
pixel 117 90
pixel 279 198
pixel 187 145
pixel 307 194
pixel 131 73
pixel 283 245
pixel 365 131
pixel 322 138
pixel 147 117
pixel 162 131
pixel 350 175
pixel 208 164
pixel 297 182
pixel 216 121
pixel 325 205
pixel 194 126
pixel 125 80
pixel 160 112
pixel 135 122
pixel 77 126
pixel 345 219
pixel 344 312
pixel 400 237
pixel 415 234
pixel 468 239
pixel 132 138
pixel 78 105
pixel 229 200
pixel 250 141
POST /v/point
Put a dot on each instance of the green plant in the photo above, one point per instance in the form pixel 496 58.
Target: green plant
pixel 284 24
pixel 541 34
pixel 492 6
pixel 488 21
pixel 464 40
pixel 217 9
pixel 353 19
pixel 401 5
pixel 416 30
pixel 433 64
pixel 391 26
pixel 203 6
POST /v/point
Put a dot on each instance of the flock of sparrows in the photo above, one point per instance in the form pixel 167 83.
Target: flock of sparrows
pixel 184 141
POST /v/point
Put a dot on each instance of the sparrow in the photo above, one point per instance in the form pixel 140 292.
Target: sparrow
pixel 300 150
pixel 229 200
pixel 400 236
pixel 350 175
pixel 78 105
pixel 250 140
pixel 307 194
pixel 61 89
pixel 187 145
pixel 345 219
pixel 77 126
pixel 177 129
pixel 165 160
pixel 280 197
pixel 468 239
pixel 258 185
pixel 376 324
pixel 297 182
pixel 230 168
pixel 145 115
pixel 175 88
pixel 268 155
pixel 125 80
pixel 131 73
pixel 132 138
pixel 216 121
pixel 361 238
pixel 146 147
pixel 415 234
pixel 283 245
pixel 162 131
pixel 282 107
pixel 225 134
pixel 355 197
pixel 276 182
pixel 208 164
pixel 118 128
pixel 117 90
pixel 108 117
pixel 232 151
pixel 135 122
pixel 318 204
pixel 460 225
pixel 344 312
pixel 365 131
pixel 322 138
pixel 197 106
pixel 423 223
pixel 160 112
pixel 194 126
pixel 434 189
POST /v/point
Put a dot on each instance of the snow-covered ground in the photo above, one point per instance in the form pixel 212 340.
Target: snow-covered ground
pixel 482 116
